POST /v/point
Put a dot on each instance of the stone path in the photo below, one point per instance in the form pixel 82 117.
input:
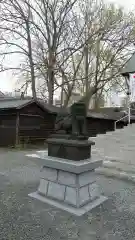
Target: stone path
pixel 117 149
pixel 22 218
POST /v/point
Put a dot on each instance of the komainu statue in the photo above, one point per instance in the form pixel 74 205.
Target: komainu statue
pixel 73 120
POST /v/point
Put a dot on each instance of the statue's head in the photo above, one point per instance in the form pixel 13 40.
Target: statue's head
pixel 78 109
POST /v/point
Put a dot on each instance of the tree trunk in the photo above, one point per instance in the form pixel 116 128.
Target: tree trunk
pixel 62 92
pixel 96 101
pixel 51 76
pixel 66 101
pixel 17 129
pixel 51 86
pixel 86 54
pixel 32 71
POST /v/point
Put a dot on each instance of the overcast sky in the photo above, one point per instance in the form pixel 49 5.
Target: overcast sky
pixel 127 4
pixel 7 82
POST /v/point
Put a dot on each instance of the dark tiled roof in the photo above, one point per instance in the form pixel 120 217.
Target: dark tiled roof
pixel 112 113
pixel 49 108
pixel 13 103
pixel 108 116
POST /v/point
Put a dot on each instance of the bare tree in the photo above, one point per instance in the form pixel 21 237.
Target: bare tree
pixel 56 35
pixel 50 31
pixel 105 53
pixel 15 23
pixel 66 45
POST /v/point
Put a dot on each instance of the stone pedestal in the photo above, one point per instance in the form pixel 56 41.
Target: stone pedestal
pixel 70 149
pixel 69 185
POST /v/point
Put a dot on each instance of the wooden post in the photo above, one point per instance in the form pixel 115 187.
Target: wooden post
pixel 17 128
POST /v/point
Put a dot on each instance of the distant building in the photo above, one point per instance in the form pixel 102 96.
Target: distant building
pixel 57 102
pixel 8 94
pixel 113 99
pixel 2 95
pixel 76 97
pixel 124 101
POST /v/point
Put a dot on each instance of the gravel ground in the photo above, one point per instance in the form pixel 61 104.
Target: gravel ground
pixel 24 218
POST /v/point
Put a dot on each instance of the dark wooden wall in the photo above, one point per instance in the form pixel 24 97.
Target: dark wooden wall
pixel 7 130
pixel 35 124
pixel 101 126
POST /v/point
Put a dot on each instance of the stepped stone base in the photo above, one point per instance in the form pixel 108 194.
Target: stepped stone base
pixel 70 185
pixel 70 209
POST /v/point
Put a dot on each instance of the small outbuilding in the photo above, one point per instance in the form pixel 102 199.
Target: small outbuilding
pixel 102 122
pixel 32 121
pixel 25 120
